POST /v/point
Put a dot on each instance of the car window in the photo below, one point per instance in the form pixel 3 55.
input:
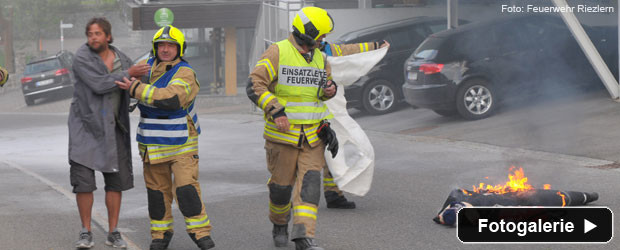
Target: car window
pixel 376 37
pixel 429 49
pixel 64 57
pixel 436 27
pixel 70 58
pixel 42 66
pixel 417 34
pixel 407 38
pixel 399 39
pixel 426 54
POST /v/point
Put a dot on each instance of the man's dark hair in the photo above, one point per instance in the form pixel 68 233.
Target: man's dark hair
pixel 103 23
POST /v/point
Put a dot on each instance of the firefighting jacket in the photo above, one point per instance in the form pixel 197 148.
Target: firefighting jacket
pixel 168 121
pixel 349 49
pixel 4 76
pixel 283 82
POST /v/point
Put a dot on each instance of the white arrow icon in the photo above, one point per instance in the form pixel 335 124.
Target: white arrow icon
pixel 587 226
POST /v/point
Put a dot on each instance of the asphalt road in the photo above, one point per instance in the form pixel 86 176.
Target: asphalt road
pixel 420 158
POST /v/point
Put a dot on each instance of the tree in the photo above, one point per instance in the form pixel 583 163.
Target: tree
pixel 35 19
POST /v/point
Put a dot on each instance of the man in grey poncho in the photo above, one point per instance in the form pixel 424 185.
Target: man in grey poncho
pixel 99 128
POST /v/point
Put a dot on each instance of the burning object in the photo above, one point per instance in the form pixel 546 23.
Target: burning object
pixel 516 192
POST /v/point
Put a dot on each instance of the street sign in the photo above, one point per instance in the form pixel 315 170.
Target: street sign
pixel 163 17
pixel 62 37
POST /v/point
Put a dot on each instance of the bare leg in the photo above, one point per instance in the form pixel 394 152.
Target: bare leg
pixel 85 206
pixel 113 203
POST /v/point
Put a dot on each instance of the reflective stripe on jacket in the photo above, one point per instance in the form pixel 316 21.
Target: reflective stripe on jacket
pixel 348 49
pixel 292 135
pixel 298 87
pixel 159 127
pixel 4 76
pixel 298 90
pixel 163 127
pixel 265 90
pixel 163 134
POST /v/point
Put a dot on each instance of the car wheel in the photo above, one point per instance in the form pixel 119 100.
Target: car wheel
pixel 475 99
pixel 379 97
pixel 29 101
pixel 446 113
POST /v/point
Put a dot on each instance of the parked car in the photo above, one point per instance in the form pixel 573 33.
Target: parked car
pixel 47 76
pixel 380 91
pixel 470 70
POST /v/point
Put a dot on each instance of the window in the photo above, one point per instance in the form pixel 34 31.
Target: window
pixel 407 38
pixel 426 54
pixel 399 39
pixel 66 58
pixel 417 34
pixel 70 58
pixel 42 66
pixel 436 27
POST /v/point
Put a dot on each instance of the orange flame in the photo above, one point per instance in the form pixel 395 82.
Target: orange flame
pixel 563 198
pixel 516 183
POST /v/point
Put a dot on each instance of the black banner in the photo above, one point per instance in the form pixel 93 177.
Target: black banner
pixel 535 225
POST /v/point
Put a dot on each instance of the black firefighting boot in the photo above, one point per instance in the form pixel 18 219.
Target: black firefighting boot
pixel 280 235
pixel 161 244
pixel 336 201
pixel 306 244
pixel 203 243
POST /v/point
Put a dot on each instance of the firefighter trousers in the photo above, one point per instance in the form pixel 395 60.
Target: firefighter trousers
pixel 328 183
pixel 297 171
pixel 185 188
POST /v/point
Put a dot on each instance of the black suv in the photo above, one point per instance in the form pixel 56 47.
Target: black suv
pixel 379 91
pixel 46 76
pixel 471 69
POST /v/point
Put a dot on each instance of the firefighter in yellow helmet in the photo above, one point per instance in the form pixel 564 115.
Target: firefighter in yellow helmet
pixel 290 82
pixel 4 76
pixel 168 140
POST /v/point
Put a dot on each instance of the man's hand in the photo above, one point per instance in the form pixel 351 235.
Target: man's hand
pixel 126 83
pixel 282 123
pixel 330 89
pixel 385 44
pixel 139 70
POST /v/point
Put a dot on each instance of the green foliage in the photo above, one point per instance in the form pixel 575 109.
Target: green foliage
pixel 28 57
pixel 33 19
pixel 2 58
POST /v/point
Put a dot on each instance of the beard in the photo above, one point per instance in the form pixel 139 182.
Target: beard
pixel 98 49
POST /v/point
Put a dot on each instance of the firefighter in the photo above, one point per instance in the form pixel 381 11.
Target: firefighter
pixel 287 84
pixel 4 76
pixel 168 140
pixel 333 195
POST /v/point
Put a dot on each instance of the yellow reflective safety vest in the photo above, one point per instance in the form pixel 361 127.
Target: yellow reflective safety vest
pixel 298 90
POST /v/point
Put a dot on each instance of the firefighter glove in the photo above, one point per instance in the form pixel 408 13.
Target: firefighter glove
pixel 328 135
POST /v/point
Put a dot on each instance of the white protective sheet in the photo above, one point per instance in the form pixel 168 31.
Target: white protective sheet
pixel 353 166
